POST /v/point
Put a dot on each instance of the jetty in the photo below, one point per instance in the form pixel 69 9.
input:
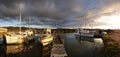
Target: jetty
pixel 58 49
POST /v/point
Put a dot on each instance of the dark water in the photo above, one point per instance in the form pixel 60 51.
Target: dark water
pixel 82 47
pixel 33 49
pixel 75 47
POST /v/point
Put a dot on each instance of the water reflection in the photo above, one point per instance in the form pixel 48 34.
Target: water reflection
pixel 79 47
pixel 98 42
pixel 3 51
pixel 33 49
pixel 75 47
pixel 79 39
pixel 46 51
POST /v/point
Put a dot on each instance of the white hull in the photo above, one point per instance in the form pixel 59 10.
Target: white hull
pixel 86 35
pixel 30 35
pixel 46 40
pixel 14 40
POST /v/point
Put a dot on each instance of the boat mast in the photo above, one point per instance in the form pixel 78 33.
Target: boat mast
pixel 85 22
pixel 29 22
pixel 20 23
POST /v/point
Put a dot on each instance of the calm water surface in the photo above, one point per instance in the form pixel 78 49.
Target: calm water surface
pixel 75 47
pixel 82 47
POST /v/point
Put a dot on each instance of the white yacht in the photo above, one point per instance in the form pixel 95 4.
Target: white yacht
pixel 90 33
pixel 86 33
pixel 30 34
pixel 15 38
pixel 18 38
pixel 47 38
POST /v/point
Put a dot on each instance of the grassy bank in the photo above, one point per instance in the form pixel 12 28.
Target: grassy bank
pixel 111 47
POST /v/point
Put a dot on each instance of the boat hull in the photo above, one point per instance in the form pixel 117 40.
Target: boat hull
pixel 85 35
pixel 46 40
pixel 14 40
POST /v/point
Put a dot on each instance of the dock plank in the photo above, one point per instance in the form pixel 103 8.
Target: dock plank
pixel 58 49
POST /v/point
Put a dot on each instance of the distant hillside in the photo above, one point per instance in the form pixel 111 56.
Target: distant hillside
pixel 39 31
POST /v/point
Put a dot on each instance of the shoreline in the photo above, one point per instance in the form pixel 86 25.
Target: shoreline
pixel 111 44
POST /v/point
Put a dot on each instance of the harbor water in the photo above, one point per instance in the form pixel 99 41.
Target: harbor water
pixel 74 46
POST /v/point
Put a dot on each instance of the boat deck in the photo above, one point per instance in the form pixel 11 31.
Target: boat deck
pixel 58 49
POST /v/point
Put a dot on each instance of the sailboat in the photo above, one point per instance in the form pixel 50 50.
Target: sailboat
pixel 47 38
pixel 89 33
pixel 30 33
pixel 16 37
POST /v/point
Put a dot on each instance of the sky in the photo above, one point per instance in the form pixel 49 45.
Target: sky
pixel 102 14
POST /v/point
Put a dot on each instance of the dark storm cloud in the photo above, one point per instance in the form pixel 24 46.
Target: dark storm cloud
pixel 56 12
pixel 48 11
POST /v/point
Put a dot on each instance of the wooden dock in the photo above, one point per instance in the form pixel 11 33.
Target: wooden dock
pixel 58 49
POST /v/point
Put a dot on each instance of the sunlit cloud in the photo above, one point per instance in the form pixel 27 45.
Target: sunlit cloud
pixel 62 13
